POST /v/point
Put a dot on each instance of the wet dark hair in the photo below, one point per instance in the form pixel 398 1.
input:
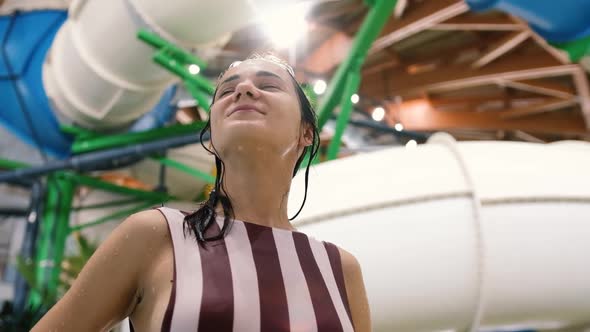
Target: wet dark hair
pixel 201 219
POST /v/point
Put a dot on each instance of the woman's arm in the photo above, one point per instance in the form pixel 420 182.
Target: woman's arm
pixel 355 290
pixel 106 289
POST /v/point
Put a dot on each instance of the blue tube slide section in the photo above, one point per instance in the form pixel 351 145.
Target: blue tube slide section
pixel 556 21
pixel 25 110
pixel 24 107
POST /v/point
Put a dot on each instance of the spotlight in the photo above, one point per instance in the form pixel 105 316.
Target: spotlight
pixel 194 69
pixel 378 113
pixel 399 127
pixel 319 87
pixel 354 98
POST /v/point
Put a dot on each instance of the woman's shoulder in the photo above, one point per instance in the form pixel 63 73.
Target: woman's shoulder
pixel 355 289
pixel 148 225
pixel 349 262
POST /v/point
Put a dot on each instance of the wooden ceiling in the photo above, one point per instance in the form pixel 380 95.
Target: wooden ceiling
pixel 438 66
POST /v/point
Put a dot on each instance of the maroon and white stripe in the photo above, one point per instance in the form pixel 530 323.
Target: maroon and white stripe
pixel 257 278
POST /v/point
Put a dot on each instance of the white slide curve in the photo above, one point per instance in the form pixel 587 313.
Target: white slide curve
pixel 461 236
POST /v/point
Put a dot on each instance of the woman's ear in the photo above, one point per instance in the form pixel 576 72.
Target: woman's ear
pixel 306 138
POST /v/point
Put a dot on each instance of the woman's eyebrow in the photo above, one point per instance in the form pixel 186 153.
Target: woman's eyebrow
pixel 258 73
pixel 231 78
pixel 268 73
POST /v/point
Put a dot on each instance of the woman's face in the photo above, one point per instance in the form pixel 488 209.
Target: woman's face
pixel 256 106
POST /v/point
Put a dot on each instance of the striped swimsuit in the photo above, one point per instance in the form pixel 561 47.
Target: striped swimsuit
pixel 257 278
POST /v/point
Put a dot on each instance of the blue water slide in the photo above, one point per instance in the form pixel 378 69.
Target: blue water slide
pixel 24 107
pixel 25 110
pixel 556 21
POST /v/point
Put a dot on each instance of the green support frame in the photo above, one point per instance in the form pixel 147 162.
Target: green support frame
pixel 61 186
pixel 346 80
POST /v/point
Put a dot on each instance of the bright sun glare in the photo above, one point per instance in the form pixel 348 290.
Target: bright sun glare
pixel 286 25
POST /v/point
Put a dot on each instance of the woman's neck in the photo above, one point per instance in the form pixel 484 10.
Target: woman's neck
pixel 258 185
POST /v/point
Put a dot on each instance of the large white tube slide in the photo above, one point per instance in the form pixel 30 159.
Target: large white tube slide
pixel 100 76
pixel 461 236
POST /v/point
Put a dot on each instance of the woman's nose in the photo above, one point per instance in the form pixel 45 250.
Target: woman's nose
pixel 248 89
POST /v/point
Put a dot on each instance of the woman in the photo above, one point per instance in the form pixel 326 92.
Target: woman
pixel 237 263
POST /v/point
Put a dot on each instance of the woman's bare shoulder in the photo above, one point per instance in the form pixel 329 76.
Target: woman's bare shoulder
pixel 105 290
pixel 355 291
pixel 150 223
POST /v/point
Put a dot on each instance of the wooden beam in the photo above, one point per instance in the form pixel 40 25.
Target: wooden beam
pixel 380 66
pixel 541 87
pixel 400 7
pixel 583 91
pixel 329 54
pixel 550 105
pixel 419 116
pixel 527 137
pixel 472 102
pixel 423 16
pixel 328 11
pixel 479 22
pixel 476 27
pixel 455 77
pixel 559 55
pixel 502 47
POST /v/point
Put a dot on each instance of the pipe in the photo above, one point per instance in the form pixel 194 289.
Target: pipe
pixel 13 212
pixel 27 250
pixel 92 160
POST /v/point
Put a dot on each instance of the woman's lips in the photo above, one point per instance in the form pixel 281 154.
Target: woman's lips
pixel 245 108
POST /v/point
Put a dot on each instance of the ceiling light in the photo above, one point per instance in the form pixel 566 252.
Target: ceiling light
pixel 319 87
pixel 399 127
pixel 354 98
pixel 194 69
pixel 378 113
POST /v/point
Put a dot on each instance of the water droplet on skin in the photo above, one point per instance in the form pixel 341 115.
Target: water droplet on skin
pixel 153 289
pixel 126 236
pixel 154 228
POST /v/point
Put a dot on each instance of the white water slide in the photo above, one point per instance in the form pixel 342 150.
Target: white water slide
pixel 450 236
pixel 462 236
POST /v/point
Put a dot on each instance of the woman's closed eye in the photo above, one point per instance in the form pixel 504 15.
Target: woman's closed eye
pixel 269 87
pixel 225 92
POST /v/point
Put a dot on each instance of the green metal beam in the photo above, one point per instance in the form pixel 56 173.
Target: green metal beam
pixel 369 30
pixel 116 215
pixel 66 191
pixel 172 64
pixel 109 141
pixel 106 204
pixel 107 186
pixel 77 131
pixel 199 95
pixel 160 43
pixel 177 61
pixel 352 84
pixel 185 168
pixel 12 164
pixel 43 262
